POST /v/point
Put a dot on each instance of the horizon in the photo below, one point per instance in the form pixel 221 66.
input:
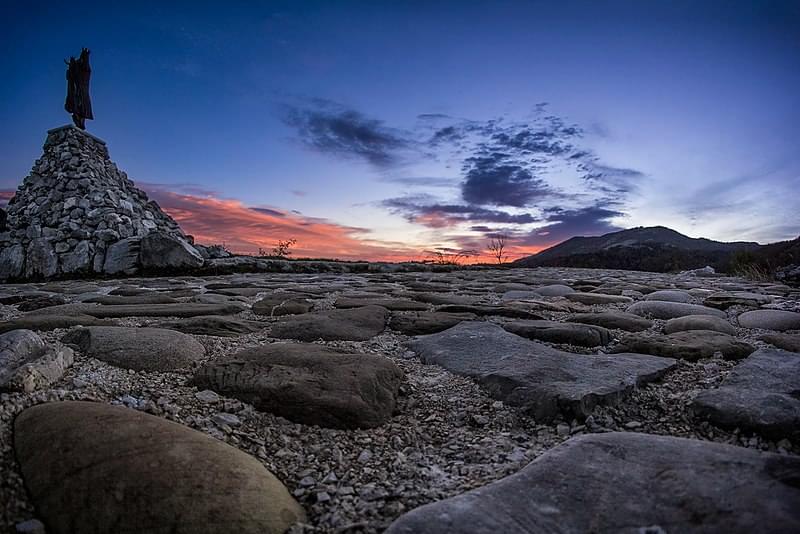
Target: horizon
pixel 384 132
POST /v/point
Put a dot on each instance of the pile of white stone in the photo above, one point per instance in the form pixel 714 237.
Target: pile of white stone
pixel 77 213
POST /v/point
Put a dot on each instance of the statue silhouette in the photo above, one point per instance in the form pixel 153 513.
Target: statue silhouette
pixel 78 102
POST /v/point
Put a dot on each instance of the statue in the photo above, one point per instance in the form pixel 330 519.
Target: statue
pixel 78 102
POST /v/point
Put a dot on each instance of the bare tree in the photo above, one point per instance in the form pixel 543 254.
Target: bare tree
pixel 497 246
pixel 449 256
pixel 282 248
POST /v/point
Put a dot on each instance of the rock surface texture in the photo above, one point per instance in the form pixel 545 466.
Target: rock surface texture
pixel 77 213
pixel 95 468
pixel 587 484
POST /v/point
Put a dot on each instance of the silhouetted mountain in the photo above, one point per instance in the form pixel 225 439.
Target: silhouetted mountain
pixel 653 248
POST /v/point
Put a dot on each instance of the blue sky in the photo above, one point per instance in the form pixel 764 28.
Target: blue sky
pixel 419 125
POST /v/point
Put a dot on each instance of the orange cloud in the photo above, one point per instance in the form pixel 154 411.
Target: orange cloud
pixel 245 230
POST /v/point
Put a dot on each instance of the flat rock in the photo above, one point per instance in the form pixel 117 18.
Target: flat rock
pixel 597 298
pixel 669 310
pixel 140 349
pixel 38 303
pixel 586 484
pixel 389 304
pixel 779 320
pixel 425 322
pixel 50 322
pixel 520 295
pixel 214 325
pixel 544 381
pixel 613 319
pixel 152 297
pixel 93 468
pixel 443 298
pixel 760 394
pixel 28 364
pixel 281 304
pixel 554 290
pixel 486 310
pixel 724 300
pixel 573 333
pixel 669 295
pixel 182 309
pixel 357 324
pixel 689 345
pixel 790 342
pixel 699 322
pixel 308 383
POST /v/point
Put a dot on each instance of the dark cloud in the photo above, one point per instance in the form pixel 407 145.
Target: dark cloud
pixel 268 211
pixel 496 180
pixel 332 129
pixel 423 209
pixel 589 221
pixel 420 181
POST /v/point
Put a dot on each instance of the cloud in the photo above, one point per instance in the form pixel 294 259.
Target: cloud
pixel 425 210
pixel 494 180
pixel 244 229
pixel 420 181
pixel 330 128
pixel 5 196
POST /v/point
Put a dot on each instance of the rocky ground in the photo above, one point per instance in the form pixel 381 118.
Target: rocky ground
pixel 437 384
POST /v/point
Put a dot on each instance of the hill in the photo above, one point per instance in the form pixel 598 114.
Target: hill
pixel 655 248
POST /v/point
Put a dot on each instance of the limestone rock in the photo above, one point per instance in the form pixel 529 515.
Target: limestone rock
pixel 161 251
pixel 699 322
pixel 546 382
pixel 613 319
pixel 669 295
pixel 93 468
pixel 424 322
pixel 281 304
pixel 689 345
pixel 122 257
pixel 214 325
pixel 670 310
pixel 181 309
pixel 27 364
pixel 724 300
pixel 357 324
pixel 790 342
pixel 778 320
pixel 587 484
pixel 760 395
pixel 308 383
pixel 597 298
pixel 12 261
pixel 50 322
pixel 140 349
pixel 41 259
pixel 555 332
pixel 389 304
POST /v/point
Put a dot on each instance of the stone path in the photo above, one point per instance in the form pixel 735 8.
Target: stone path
pixel 348 400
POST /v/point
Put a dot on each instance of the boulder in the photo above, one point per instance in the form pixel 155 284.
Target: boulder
pixel 389 304
pixel 140 349
pixel 162 251
pixel 122 256
pixel 488 310
pixel 12 261
pixel 724 300
pixel 79 260
pixel 699 322
pixel 182 309
pixel 760 395
pixel 778 320
pixel 50 322
pixel 689 345
pixel 28 364
pixel 669 295
pixel 790 342
pixel 587 484
pixel 152 297
pixel 420 323
pixel 214 325
pixel 308 383
pixel 597 298
pixel 572 333
pixel 669 310
pixel 281 304
pixel 554 290
pixel 357 324
pixel 613 319
pixel 546 382
pixel 93 468
pixel 42 260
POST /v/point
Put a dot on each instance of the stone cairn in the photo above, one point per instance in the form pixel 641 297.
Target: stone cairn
pixel 76 213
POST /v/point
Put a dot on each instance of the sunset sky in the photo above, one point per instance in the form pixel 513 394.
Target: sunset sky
pixel 384 130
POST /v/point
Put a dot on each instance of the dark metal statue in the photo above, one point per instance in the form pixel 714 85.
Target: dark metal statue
pixel 78 102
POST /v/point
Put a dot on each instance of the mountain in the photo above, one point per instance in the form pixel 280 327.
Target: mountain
pixel 654 248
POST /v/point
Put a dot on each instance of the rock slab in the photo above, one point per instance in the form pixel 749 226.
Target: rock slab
pixel 93 468
pixel 547 383
pixel 587 484
pixel 357 324
pixel 307 383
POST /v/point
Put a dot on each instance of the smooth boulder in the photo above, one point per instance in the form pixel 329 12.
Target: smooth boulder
pixel 94 468
pixel 571 333
pixel 724 300
pixel 658 309
pixel 163 251
pixel 669 295
pixel 689 345
pixel 627 482
pixel 423 323
pixel 613 319
pixel 760 394
pixel 308 383
pixel 27 363
pixel 281 304
pixel 779 320
pixel 546 382
pixel 699 322
pixel 214 325
pixel 140 349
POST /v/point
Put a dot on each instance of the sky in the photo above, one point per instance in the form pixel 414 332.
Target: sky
pixel 395 130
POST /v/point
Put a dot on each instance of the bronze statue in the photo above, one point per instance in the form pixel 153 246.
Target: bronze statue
pixel 78 102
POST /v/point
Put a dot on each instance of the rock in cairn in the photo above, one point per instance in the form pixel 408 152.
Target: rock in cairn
pixel 76 212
